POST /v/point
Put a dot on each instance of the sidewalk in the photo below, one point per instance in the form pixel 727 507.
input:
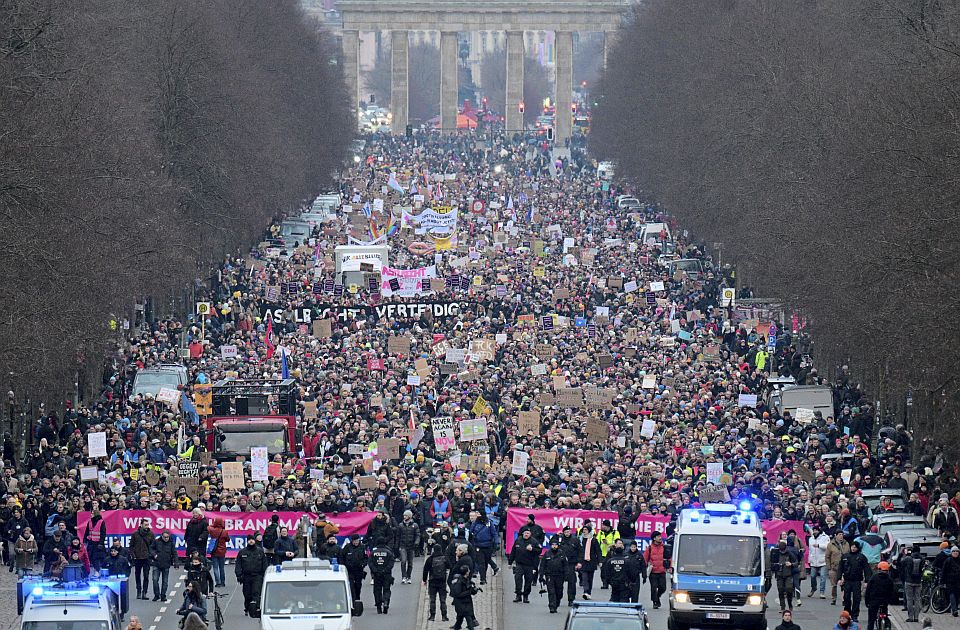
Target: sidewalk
pixel 945 621
pixel 8 594
pixel 486 607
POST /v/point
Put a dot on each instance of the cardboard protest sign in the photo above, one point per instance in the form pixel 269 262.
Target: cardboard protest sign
pixel 559 382
pixel 398 345
pixel 449 368
pixel 388 448
pixel 422 367
pixel 569 397
pixel 561 294
pixel 367 482
pixel 597 430
pixel 322 328
pixel 543 351
pixel 546 399
pixel 190 484
pixel 615 282
pixel 599 397
pixel 802 414
pixel 649 381
pixel 483 348
pixel 309 409
pixel 605 360
pixel 232 473
pixel 88 473
pixel 528 422
pixel 542 460
pixel 714 494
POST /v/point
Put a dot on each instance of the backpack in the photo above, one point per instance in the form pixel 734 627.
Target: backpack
pixel 916 570
pixel 438 567
pixel 270 536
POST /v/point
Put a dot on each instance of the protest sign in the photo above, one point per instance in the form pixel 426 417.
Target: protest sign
pixel 543 460
pixel 747 400
pixel 188 468
pixel 475 429
pixel 543 351
pixel 258 463
pixel 388 448
pixel 190 484
pixel 481 407
pixel 605 361
pixel 483 348
pixel 232 475
pixel 546 399
pixel 169 396
pixel 520 461
pixel 398 345
pixel 714 494
pixel 97 444
pixel 538 369
pixel 528 422
pixel 274 469
pixel 714 471
pixel 323 328
pixel 649 381
pixel 228 351
pixel 569 397
pixel 355 449
pixel 443 436
pixel 803 414
pixel 597 430
pixel 599 397
pixel 614 282
pixel 367 482
pixel 88 473
pixel 647 428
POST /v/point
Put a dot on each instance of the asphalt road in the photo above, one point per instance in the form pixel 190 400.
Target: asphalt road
pixel 811 615
pixel 158 616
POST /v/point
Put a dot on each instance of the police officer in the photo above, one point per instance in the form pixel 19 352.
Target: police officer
pixel 572 549
pixel 462 591
pixel 381 566
pixel 525 557
pixel 606 537
pixel 435 570
pixel 636 572
pixel 614 572
pixel 553 572
pixel 354 557
pixel 251 564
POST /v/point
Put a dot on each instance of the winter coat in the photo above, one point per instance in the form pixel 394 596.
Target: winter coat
pixel 26 552
pixel 196 533
pixel 218 532
pixel 285 545
pixel 408 534
pixel 835 553
pixel 880 590
pixel 354 557
pixel 251 562
pixel 141 543
pixel 164 553
pixel 526 553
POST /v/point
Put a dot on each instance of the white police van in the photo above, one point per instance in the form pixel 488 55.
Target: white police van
pixel 307 593
pixel 72 604
pixel 718 566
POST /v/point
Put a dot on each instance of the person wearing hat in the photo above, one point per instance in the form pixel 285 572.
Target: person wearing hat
pixel 846 622
pixel 535 530
pixel 524 556
pixel 606 537
pixel 572 550
pixel 836 550
pixel 854 570
pixel 354 558
pixel 163 554
pixel 251 566
pixel 553 573
pixel 636 572
pixel 880 592
pixel 783 561
pixel 408 539
pixel 462 591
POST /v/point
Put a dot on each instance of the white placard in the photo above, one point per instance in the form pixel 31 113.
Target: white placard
pixel 714 472
pixel 520 460
pixel 747 400
pixel 648 427
pixel 803 414
pixel 169 396
pixel 258 463
pixel 657 286
pixel 630 287
pixel 603 311
pixel 97 444
pixel 501 338
pixel 538 369
pixel 88 473
pixel 228 352
pixel 413 379
pixel 649 381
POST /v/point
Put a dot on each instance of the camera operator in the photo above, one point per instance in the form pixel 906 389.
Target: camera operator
pixel 462 590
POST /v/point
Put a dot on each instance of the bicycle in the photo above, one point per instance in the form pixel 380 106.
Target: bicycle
pixel 217 611
pixel 933 594
pixel 883 619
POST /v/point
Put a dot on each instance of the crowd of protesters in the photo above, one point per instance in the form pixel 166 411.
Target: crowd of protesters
pixel 550 241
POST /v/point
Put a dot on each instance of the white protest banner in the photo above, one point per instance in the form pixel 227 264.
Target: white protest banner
pixel 443 436
pixel 228 352
pixel 714 472
pixel 406 282
pixel 747 400
pixel 649 381
pixel 97 444
pixel 438 219
pixel 803 415
pixel 88 473
pixel 657 286
pixel 520 461
pixel 630 287
pixel 258 463
pixel 538 369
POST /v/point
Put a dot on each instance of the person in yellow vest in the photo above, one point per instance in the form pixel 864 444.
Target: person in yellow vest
pixel 605 537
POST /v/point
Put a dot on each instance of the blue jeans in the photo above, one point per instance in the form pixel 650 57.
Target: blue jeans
pixel 217 564
pixel 818 577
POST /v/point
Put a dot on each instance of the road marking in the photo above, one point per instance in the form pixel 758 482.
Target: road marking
pixel 163 609
pixel 152 628
pixel 158 619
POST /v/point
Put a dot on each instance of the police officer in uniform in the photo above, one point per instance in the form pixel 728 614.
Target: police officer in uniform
pixel 354 557
pixel 636 572
pixel 553 572
pixel 381 566
pixel 525 557
pixel 614 572
pixel 572 549
pixel 462 591
pixel 435 570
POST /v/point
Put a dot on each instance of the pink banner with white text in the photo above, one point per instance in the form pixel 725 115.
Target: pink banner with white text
pixel 122 523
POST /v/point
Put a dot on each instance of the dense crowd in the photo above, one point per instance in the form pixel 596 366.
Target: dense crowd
pixel 551 242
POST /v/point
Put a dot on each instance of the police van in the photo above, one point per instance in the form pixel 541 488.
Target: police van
pixel 307 593
pixel 72 604
pixel 718 566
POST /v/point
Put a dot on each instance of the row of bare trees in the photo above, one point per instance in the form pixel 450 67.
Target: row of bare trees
pixel 141 143
pixel 820 142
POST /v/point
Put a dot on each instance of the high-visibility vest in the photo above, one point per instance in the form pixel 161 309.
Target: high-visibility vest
pixel 606 540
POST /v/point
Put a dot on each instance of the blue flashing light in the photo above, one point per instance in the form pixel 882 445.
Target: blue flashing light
pixel 694 515
pixel 37 591
pixel 94 589
pixel 746 506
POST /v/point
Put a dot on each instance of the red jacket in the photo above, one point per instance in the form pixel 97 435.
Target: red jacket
pixel 218 532
pixel 655 559
pixel 310 444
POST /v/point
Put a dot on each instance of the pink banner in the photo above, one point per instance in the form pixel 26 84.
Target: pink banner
pixel 122 523
pixel 553 522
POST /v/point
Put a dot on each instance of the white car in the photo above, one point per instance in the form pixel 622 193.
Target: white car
pixel 306 593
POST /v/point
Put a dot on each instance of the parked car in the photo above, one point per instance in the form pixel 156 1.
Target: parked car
pixel 586 615
pixel 900 543
pixel 873 496
pixel 628 202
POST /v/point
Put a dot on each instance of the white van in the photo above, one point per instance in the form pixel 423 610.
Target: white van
pixel 650 232
pixel 606 171
pixel 307 593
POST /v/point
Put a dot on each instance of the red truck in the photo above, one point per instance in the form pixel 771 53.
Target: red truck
pixel 253 412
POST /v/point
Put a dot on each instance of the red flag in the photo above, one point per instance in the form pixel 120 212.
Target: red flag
pixel 270 347
pixel 412 425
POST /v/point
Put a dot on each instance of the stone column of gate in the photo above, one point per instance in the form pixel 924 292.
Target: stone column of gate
pixel 449 90
pixel 514 90
pixel 563 122
pixel 351 67
pixel 400 80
